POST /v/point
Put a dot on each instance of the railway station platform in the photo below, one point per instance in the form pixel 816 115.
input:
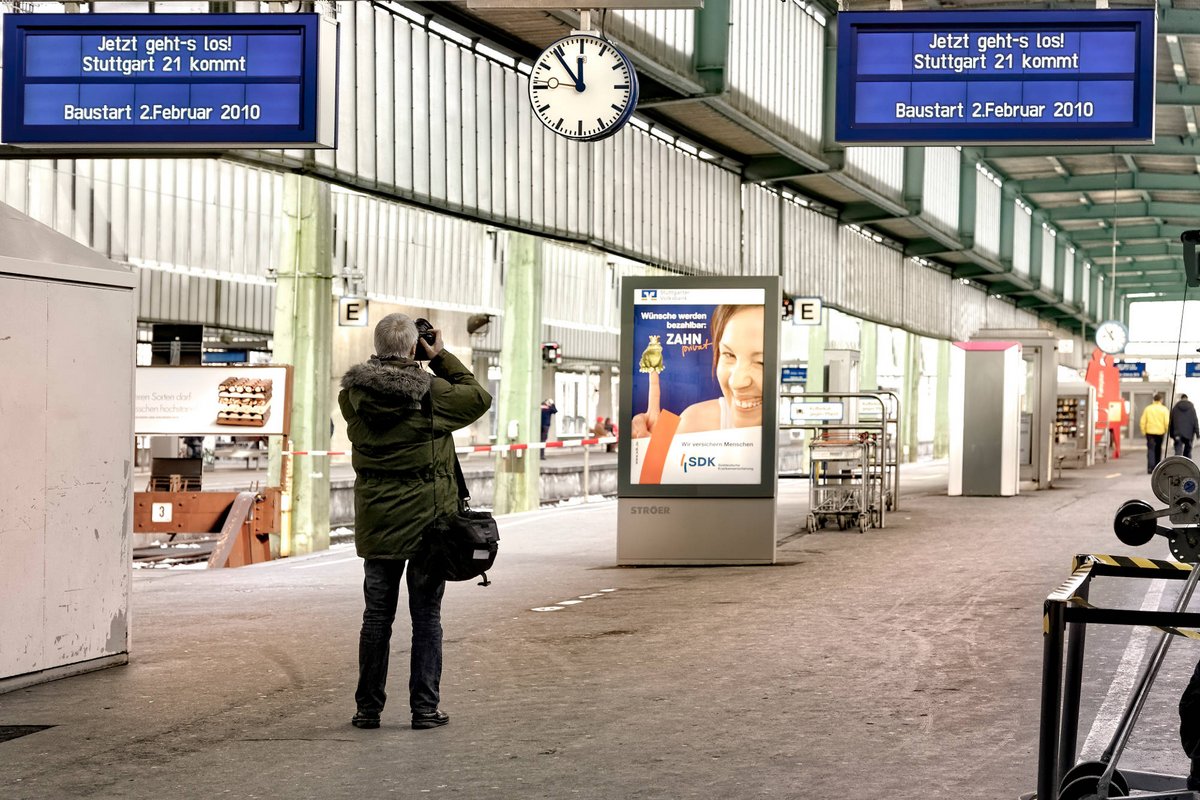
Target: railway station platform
pixel 904 663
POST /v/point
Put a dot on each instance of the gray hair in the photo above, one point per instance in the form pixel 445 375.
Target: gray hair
pixel 395 335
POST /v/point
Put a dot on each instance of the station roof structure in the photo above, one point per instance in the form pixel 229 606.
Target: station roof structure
pixel 1147 194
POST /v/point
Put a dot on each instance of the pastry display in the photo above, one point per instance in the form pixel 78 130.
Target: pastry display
pixel 244 401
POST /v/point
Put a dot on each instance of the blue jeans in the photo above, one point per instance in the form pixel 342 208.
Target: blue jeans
pixel 381 590
pixel 1189 726
pixel 1154 443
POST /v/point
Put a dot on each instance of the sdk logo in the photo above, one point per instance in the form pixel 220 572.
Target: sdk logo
pixel 693 462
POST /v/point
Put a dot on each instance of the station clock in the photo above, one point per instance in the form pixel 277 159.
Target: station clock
pixel 1112 336
pixel 582 87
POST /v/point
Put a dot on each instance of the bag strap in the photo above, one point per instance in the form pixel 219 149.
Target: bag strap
pixel 464 494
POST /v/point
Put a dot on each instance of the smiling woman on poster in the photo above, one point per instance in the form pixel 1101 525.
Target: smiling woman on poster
pixel 737 363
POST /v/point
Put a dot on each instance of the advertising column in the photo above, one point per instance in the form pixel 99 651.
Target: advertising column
pixel 699 391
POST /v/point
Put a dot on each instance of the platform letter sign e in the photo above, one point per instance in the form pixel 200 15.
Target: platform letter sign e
pixel 808 311
pixel 352 312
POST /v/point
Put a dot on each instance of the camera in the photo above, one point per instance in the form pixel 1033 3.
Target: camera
pixel 425 331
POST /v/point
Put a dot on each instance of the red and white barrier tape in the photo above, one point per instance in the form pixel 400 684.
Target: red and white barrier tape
pixel 504 448
pixel 483 448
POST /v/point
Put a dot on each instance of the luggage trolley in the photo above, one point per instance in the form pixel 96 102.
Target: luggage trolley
pixel 841 488
pixel 1176 482
pixel 853 457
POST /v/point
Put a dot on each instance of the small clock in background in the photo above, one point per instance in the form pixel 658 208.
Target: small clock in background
pixel 583 88
pixel 1112 336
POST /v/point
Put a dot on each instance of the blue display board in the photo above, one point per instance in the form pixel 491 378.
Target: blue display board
pixel 794 375
pixel 1191 370
pixel 996 77
pixel 251 80
pixel 1131 369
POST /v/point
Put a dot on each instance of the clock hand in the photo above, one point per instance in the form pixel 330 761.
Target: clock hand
pixel 576 80
pixel 579 86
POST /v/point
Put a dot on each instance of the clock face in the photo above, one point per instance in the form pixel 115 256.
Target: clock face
pixel 583 88
pixel 1111 336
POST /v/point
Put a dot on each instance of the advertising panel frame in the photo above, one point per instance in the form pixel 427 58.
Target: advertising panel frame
pixel 1140 129
pixel 767 484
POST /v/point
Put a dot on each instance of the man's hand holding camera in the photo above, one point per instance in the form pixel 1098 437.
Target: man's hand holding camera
pixel 429 340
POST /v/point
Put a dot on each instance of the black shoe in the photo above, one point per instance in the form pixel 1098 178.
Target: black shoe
pixel 363 720
pixel 429 719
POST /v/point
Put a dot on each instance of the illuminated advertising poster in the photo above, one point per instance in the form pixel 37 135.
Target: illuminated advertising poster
pixel 700 363
pixel 213 401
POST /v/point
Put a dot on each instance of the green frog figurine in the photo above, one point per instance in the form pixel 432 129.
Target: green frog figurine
pixel 652 357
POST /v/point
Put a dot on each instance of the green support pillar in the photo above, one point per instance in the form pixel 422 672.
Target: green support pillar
pixel 941 417
pixel 914 179
pixel 304 338
pixel 711 50
pixel 868 357
pixel 817 336
pixel 518 472
pixel 911 394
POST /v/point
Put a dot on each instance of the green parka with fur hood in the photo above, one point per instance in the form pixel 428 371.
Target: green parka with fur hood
pixel 404 461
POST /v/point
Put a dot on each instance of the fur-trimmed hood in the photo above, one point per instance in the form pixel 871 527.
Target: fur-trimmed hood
pixel 386 386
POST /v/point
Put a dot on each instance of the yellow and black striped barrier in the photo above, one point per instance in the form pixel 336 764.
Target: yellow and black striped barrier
pixel 1062 672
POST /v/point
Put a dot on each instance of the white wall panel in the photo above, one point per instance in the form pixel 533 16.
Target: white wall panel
pixel 760 221
pixel 880 168
pixel 987 217
pixel 1022 223
pixel 1068 287
pixel 969 306
pixel 809 249
pixel 864 266
pixel 1049 245
pixel 666 36
pixel 926 295
pixel 431 259
pixel 940 188
pixel 776 72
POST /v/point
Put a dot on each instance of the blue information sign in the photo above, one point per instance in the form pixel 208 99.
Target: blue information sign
pixel 252 80
pixel 1131 369
pixel 996 76
pixel 1191 369
pixel 794 375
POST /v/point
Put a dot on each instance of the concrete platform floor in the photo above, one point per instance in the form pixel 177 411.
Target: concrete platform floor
pixel 900 663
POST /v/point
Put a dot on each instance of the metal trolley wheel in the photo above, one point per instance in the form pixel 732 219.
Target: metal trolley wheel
pixel 1082 782
pixel 1088 788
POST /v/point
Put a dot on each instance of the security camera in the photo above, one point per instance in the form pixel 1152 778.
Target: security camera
pixel 478 323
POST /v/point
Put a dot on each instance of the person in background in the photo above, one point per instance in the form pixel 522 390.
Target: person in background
pixel 1154 423
pixel 1184 426
pixel 400 421
pixel 598 430
pixel 548 411
pixel 610 429
pixel 1189 727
